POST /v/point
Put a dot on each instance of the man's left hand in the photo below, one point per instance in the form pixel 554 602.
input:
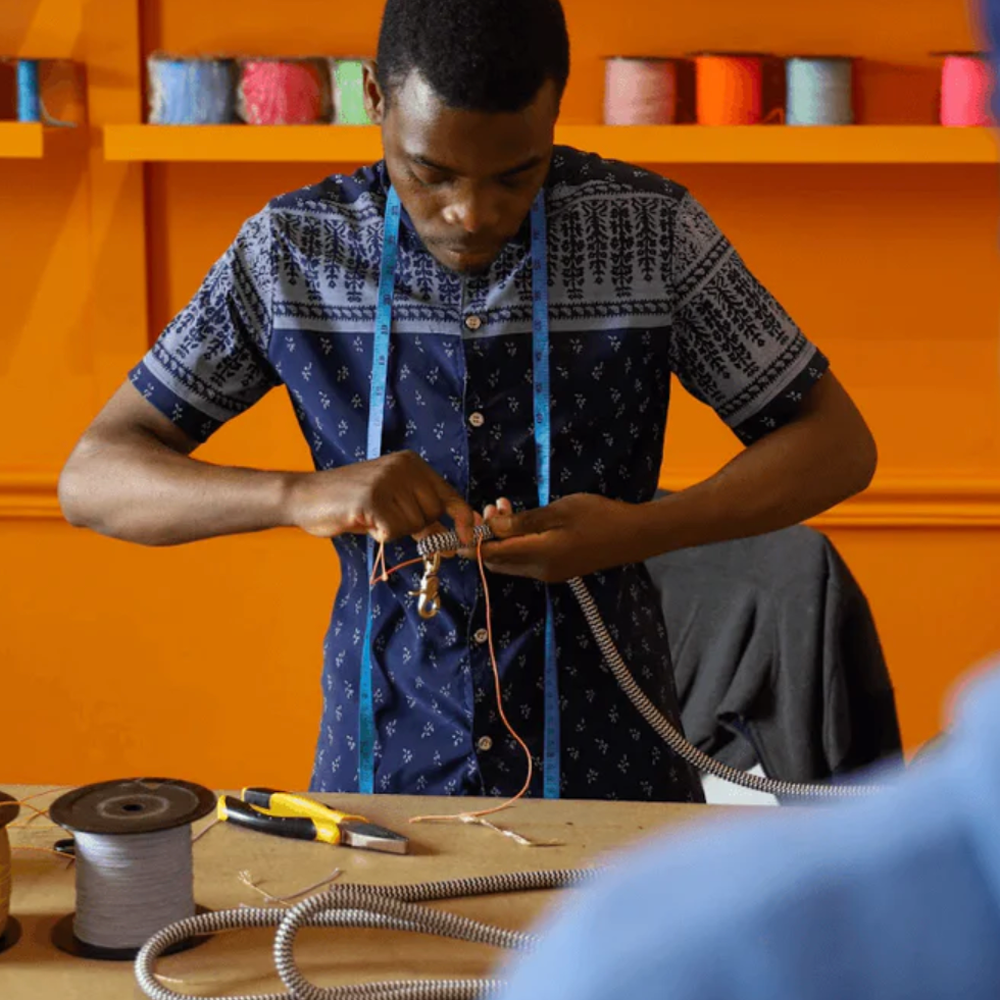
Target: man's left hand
pixel 574 536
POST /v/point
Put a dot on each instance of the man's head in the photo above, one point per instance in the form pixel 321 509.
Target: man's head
pixel 467 93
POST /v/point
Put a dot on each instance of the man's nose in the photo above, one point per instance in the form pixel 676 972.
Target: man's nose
pixel 474 211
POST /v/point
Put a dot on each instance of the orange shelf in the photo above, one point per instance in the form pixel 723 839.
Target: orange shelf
pixel 21 140
pixel 767 144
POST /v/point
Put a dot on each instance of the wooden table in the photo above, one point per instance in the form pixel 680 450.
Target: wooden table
pixel 43 891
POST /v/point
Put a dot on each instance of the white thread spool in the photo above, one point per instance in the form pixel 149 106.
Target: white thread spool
pixel 9 928
pixel 134 872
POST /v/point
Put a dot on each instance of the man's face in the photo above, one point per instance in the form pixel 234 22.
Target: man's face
pixel 466 178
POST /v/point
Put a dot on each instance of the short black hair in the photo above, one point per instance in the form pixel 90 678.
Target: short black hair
pixel 477 55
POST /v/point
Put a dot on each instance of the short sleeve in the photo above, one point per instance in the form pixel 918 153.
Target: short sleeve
pixel 732 344
pixel 210 363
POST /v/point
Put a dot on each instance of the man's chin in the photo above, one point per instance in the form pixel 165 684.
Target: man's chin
pixel 463 263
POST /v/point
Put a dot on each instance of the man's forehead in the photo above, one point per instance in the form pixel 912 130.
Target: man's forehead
pixel 457 140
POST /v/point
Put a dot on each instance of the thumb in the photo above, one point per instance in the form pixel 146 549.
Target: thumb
pixel 529 522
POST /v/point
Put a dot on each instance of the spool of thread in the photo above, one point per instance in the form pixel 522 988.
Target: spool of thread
pixel 133 863
pixel 819 90
pixel 282 92
pixel 730 88
pixel 191 91
pixel 347 81
pixel 10 930
pixel 640 91
pixel 29 100
pixel 966 89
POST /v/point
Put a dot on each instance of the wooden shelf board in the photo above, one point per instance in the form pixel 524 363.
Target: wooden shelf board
pixel 21 140
pixel 862 144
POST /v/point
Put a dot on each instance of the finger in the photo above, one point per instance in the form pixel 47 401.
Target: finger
pixel 470 552
pixel 529 522
pixel 514 557
pixel 490 512
pixel 458 510
pixel 502 508
pixel 403 515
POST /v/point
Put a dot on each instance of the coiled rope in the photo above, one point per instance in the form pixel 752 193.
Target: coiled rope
pixel 390 907
pixel 449 542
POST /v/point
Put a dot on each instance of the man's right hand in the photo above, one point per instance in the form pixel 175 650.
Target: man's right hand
pixel 387 498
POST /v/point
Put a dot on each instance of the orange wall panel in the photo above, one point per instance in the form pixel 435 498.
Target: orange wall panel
pixel 204 661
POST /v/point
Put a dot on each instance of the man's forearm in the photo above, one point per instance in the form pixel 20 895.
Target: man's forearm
pixel 794 473
pixel 137 489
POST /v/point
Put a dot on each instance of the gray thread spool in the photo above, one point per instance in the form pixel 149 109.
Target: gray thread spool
pixel 819 90
pixel 134 871
pixel 130 887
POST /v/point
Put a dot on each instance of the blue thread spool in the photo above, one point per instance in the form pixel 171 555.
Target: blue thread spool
pixel 819 90
pixel 29 102
pixel 191 91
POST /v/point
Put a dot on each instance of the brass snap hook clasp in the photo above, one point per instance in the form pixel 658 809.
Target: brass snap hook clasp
pixel 428 596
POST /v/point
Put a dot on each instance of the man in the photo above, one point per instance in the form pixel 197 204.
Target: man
pixel 640 284
pixel 894 898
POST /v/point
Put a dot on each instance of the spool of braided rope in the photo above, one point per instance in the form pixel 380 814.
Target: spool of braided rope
pixel 819 90
pixel 283 92
pixel 966 90
pixel 134 871
pixel 640 91
pixel 347 83
pixel 10 930
pixel 730 88
pixel 191 91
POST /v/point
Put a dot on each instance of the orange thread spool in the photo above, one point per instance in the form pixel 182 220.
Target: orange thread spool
pixel 730 88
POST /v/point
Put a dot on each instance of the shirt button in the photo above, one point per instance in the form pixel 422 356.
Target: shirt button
pixel 473 323
pixel 477 419
pixel 481 635
pixel 484 743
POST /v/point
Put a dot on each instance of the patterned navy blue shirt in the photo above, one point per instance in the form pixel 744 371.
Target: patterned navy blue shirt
pixel 642 285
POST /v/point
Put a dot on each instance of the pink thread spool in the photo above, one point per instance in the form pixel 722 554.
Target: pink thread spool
pixel 282 92
pixel 640 91
pixel 966 89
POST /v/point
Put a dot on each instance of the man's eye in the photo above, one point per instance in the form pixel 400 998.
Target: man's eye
pixel 430 179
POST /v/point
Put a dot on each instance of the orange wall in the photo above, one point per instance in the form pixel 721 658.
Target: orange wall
pixel 118 659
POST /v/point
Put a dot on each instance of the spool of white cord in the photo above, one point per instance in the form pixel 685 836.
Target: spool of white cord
pixel 9 929
pixel 134 871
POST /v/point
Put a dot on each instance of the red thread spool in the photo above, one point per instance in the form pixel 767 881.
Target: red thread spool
pixel 640 91
pixel 282 92
pixel 966 89
pixel 730 88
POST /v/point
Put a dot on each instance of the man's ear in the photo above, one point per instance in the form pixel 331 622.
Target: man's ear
pixel 374 98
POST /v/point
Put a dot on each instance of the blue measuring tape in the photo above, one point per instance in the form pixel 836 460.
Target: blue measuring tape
pixel 376 418
pixel 543 442
pixel 551 769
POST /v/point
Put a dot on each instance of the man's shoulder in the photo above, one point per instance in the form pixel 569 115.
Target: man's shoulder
pixel 579 176
pixel 353 198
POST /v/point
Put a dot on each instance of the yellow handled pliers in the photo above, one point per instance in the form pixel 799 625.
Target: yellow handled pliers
pixel 285 814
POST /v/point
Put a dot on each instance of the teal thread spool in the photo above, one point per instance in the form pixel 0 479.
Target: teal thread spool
pixel 29 101
pixel 819 90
